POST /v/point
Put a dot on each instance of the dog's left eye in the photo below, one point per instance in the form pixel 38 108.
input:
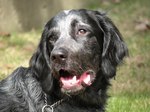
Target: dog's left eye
pixel 82 32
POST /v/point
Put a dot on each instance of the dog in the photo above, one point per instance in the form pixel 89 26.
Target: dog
pixel 71 69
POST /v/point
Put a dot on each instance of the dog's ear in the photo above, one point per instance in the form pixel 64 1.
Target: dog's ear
pixel 114 48
pixel 40 62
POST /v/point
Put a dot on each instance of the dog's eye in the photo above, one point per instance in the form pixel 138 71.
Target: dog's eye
pixel 82 32
pixel 52 38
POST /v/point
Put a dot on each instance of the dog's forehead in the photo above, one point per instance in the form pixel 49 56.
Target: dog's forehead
pixel 66 18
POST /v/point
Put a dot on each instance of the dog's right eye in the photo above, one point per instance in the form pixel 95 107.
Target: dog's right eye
pixel 52 38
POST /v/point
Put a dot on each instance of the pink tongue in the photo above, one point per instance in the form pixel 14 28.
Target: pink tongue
pixel 72 82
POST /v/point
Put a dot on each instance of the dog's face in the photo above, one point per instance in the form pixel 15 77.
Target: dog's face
pixel 76 44
pixel 75 51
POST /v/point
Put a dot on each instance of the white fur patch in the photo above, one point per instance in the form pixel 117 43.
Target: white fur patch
pixel 66 11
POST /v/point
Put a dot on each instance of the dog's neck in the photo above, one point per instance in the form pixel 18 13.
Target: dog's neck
pixel 52 106
pixel 86 99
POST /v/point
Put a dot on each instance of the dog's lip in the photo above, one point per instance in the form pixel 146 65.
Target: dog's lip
pixel 70 82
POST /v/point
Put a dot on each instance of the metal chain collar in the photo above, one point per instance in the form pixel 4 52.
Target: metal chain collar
pixel 51 107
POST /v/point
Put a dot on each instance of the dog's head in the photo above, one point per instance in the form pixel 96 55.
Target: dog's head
pixel 75 46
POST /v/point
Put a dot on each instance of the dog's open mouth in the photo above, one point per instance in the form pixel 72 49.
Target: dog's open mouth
pixel 72 83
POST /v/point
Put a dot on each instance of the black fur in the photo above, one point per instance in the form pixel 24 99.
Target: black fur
pixel 89 40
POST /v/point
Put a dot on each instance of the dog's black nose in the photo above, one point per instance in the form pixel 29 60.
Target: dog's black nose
pixel 59 55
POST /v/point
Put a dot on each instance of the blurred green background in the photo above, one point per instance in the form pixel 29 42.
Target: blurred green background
pixel 21 26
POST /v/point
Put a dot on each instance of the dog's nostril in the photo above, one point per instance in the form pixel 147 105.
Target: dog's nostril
pixel 62 56
pixel 58 55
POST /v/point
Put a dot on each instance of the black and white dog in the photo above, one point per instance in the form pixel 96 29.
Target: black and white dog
pixel 70 71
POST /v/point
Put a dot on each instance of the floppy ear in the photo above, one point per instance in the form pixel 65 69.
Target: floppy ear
pixel 114 48
pixel 40 62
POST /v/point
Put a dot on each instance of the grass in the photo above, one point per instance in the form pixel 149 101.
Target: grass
pixel 129 103
pixel 16 51
pixel 130 92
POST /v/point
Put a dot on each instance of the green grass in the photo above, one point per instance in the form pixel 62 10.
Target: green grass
pixel 130 92
pixel 129 103
pixel 16 51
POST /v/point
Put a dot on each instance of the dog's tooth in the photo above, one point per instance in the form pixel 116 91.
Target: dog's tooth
pixel 74 79
pixel 87 80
